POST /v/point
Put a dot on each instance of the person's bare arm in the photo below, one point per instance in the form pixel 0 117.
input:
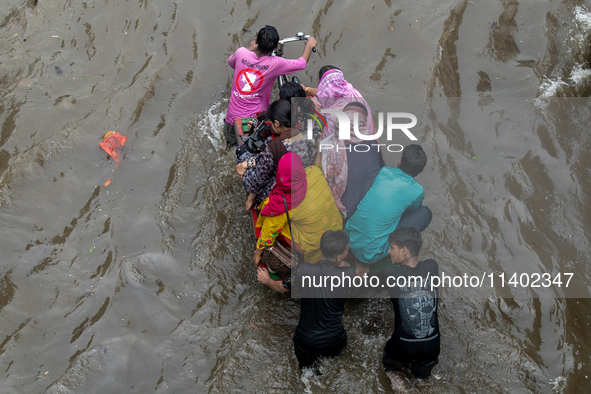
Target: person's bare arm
pixel 275 285
pixel 250 201
pixel 310 43
pixel 241 168
pixel 309 91
pixel 258 253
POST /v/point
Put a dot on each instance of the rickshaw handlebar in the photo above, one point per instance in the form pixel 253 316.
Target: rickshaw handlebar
pixel 299 37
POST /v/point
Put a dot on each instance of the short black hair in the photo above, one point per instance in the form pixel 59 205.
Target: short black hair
pixel 409 237
pixel 333 243
pixel 280 111
pixel 267 39
pixel 413 160
pixel 291 89
pixel 324 69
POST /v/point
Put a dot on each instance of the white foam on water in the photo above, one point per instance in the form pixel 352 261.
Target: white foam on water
pixel 558 384
pixel 579 74
pixel 583 17
pixel 575 47
pixel 309 379
pixel 399 383
pixel 214 123
pixel 550 87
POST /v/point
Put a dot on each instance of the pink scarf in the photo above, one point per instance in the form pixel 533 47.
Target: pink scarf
pixel 290 183
pixel 335 93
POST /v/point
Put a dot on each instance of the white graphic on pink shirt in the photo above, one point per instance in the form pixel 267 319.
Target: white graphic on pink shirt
pixel 248 80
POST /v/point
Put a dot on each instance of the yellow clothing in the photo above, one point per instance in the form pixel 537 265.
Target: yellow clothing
pixel 315 215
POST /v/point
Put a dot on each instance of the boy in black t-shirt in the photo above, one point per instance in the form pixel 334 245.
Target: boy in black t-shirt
pixel 320 331
pixel 415 341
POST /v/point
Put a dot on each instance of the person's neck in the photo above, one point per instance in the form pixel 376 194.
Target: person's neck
pixel 259 53
pixel 332 260
pixel 411 261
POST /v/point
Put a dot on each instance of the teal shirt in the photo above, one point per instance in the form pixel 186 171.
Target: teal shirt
pixel 378 214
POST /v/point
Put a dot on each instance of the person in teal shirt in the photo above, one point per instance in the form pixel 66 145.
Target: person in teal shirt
pixel 393 201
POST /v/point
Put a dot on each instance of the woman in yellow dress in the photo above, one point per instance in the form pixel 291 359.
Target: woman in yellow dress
pixel 310 204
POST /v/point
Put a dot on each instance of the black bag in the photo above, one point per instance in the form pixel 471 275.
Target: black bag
pixel 255 141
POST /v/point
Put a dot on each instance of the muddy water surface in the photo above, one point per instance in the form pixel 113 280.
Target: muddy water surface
pixel 146 285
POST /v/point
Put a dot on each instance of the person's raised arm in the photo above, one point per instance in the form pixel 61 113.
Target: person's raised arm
pixel 310 44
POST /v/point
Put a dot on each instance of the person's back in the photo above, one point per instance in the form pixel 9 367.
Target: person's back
pixel 349 162
pixel 258 171
pixel 320 331
pixel 315 215
pixel 393 201
pixel 321 323
pixel 363 169
pixel 378 214
pixel 415 342
pixel 254 74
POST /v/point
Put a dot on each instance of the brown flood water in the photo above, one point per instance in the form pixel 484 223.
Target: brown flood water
pixel 147 285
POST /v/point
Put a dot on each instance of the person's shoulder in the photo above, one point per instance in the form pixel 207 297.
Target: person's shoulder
pixel 398 270
pixel 313 170
pixel 243 52
pixel 391 173
pixel 345 271
pixel 307 268
pixel 400 177
pixel 383 175
pixel 388 270
pixel 430 263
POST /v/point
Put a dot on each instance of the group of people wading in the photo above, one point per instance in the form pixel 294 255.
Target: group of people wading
pixel 331 209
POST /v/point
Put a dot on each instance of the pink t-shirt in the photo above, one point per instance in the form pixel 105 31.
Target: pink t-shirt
pixel 253 80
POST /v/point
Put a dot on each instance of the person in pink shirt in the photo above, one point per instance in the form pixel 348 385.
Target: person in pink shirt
pixel 254 74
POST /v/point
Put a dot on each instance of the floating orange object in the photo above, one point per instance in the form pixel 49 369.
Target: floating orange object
pixel 113 143
pixel 108 182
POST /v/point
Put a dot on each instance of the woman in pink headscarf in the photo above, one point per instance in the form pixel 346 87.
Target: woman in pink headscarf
pixel 349 172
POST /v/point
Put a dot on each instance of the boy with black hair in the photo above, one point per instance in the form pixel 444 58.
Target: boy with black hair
pixel 415 341
pixel 320 331
pixel 393 201
pixel 254 74
pixel 291 89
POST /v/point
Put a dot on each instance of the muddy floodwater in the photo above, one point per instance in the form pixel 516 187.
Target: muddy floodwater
pixel 147 284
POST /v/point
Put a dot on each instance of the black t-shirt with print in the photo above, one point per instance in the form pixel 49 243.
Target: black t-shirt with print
pixel 416 327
